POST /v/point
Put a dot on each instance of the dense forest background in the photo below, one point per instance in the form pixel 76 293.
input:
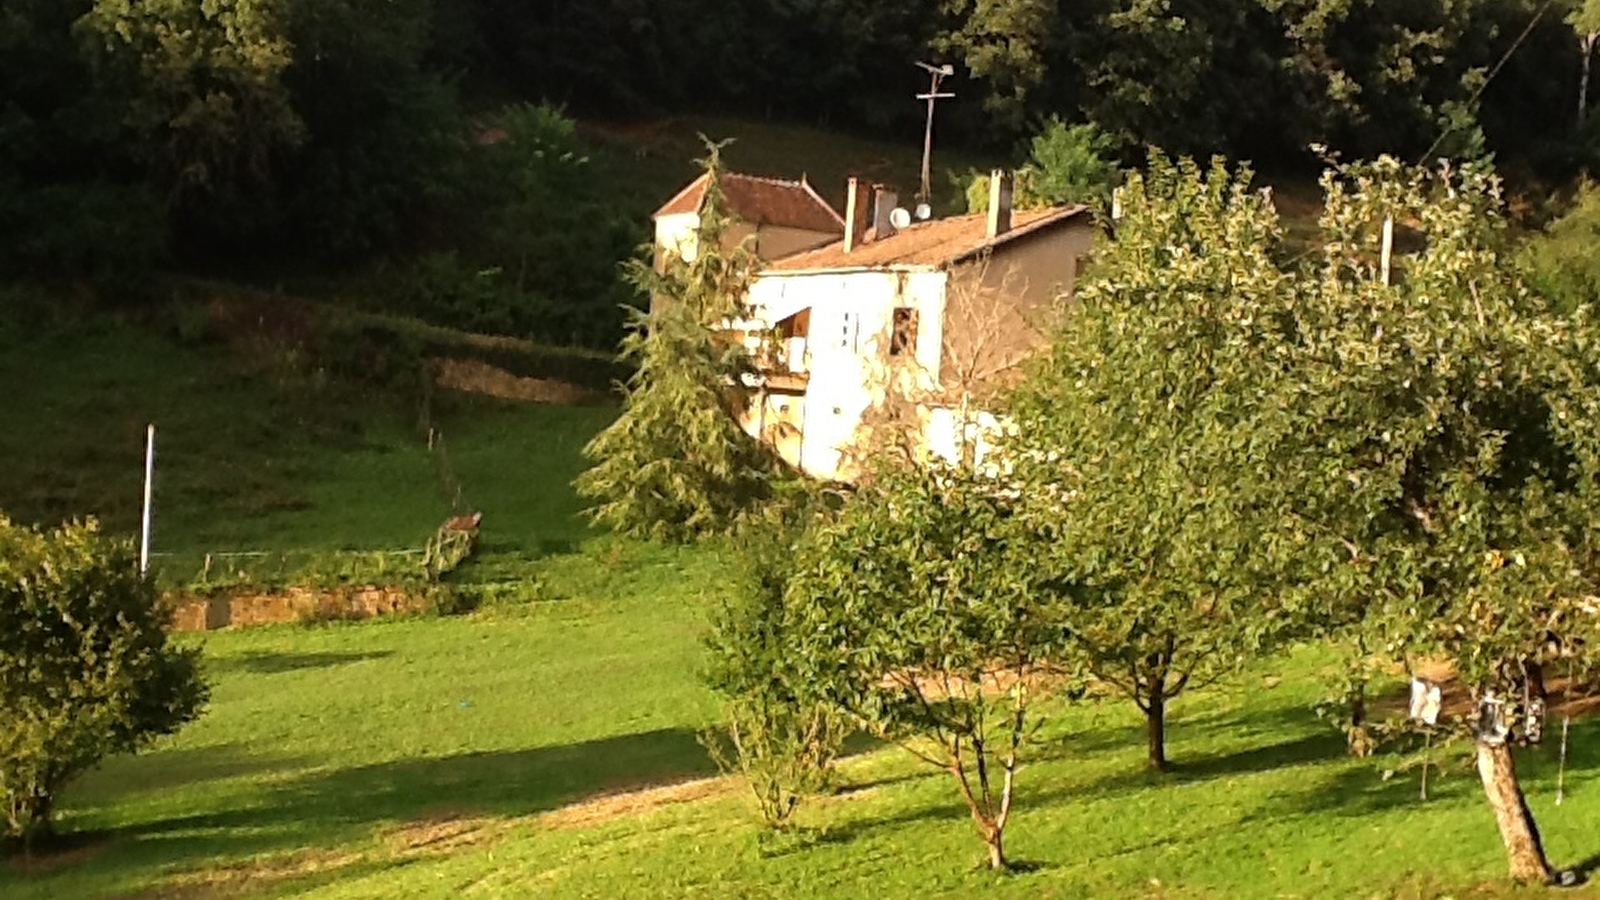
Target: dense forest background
pixel 432 144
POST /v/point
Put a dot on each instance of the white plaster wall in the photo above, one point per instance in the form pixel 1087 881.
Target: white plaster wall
pixel 947 432
pixel 676 233
pixel 852 314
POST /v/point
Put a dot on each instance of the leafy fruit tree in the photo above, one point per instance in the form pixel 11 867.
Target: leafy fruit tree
pixel 911 612
pixel 1007 43
pixel 1141 447
pixel 676 465
pixel 776 732
pixel 85 667
pixel 1449 464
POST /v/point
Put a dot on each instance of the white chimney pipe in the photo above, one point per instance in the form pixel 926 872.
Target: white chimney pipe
pixel 883 203
pixel 999 203
pixel 855 213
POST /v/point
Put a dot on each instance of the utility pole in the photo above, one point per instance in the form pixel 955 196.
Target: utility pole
pixel 932 96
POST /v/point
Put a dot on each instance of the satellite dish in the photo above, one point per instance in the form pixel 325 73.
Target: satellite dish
pixel 899 218
pixel 924 212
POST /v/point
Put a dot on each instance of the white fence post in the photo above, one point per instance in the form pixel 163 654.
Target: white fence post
pixel 149 476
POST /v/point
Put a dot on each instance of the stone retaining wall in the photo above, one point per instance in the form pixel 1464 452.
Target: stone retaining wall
pixel 244 608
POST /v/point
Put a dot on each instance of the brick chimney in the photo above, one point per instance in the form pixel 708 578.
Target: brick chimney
pixel 855 212
pixel 883 203
pixel 999 203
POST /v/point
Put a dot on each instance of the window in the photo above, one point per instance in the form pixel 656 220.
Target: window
pixel 903 336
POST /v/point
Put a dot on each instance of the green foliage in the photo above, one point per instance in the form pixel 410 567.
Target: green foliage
pixel 385 139
pixel 1560 264
pixel 781 745
pixel 549 237
pixel 85 669
pixel 1072 163
pixel 1265 78
pixel 109 234
pixel 1448 466
pixel 1143 451
pixel 913 612
pixel 1066 164
pixel 1007 43
pixel 199 85
pixel 1584 17
pixel 676 465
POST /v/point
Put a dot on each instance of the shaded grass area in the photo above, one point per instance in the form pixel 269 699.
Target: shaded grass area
pixel 231 448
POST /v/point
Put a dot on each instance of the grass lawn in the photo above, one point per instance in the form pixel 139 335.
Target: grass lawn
pixel 446 757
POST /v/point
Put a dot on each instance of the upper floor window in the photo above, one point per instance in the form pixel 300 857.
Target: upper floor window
pixel 903 333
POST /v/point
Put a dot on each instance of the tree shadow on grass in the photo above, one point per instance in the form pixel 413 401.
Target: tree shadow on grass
pixel 1311 742
pixel 1392 779
pixel 272 663
pixel 1315 747
pixel 328 807
pixel 501 783
pixel 168 769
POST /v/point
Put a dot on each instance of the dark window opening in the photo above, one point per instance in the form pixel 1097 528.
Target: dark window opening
pixel 903 336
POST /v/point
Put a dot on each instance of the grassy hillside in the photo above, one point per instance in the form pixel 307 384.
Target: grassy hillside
pixel 260 449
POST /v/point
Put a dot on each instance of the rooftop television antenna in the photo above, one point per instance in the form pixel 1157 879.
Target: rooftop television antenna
pixel 932 96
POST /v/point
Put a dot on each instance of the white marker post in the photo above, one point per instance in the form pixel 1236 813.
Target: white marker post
pixel 1388 248
pixel 149 476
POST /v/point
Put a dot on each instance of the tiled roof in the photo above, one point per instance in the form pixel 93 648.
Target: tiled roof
pixel 762 201
pixel 932 244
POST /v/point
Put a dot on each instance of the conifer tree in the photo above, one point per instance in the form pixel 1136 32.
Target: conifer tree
pixel 676 465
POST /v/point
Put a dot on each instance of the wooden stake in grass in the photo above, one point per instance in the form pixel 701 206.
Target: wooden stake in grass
pixel 1561 771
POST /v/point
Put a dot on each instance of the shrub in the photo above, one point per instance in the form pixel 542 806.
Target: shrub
pixel 109 235
pixel 782 746
pixel 85 667
pixel 1560 264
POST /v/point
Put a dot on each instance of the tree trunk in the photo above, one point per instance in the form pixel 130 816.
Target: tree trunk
pixel 1583 83
pixel 994 837
pixel 1155 715
pixel 1358 739
pixel 1536 688
pixel 1517 828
